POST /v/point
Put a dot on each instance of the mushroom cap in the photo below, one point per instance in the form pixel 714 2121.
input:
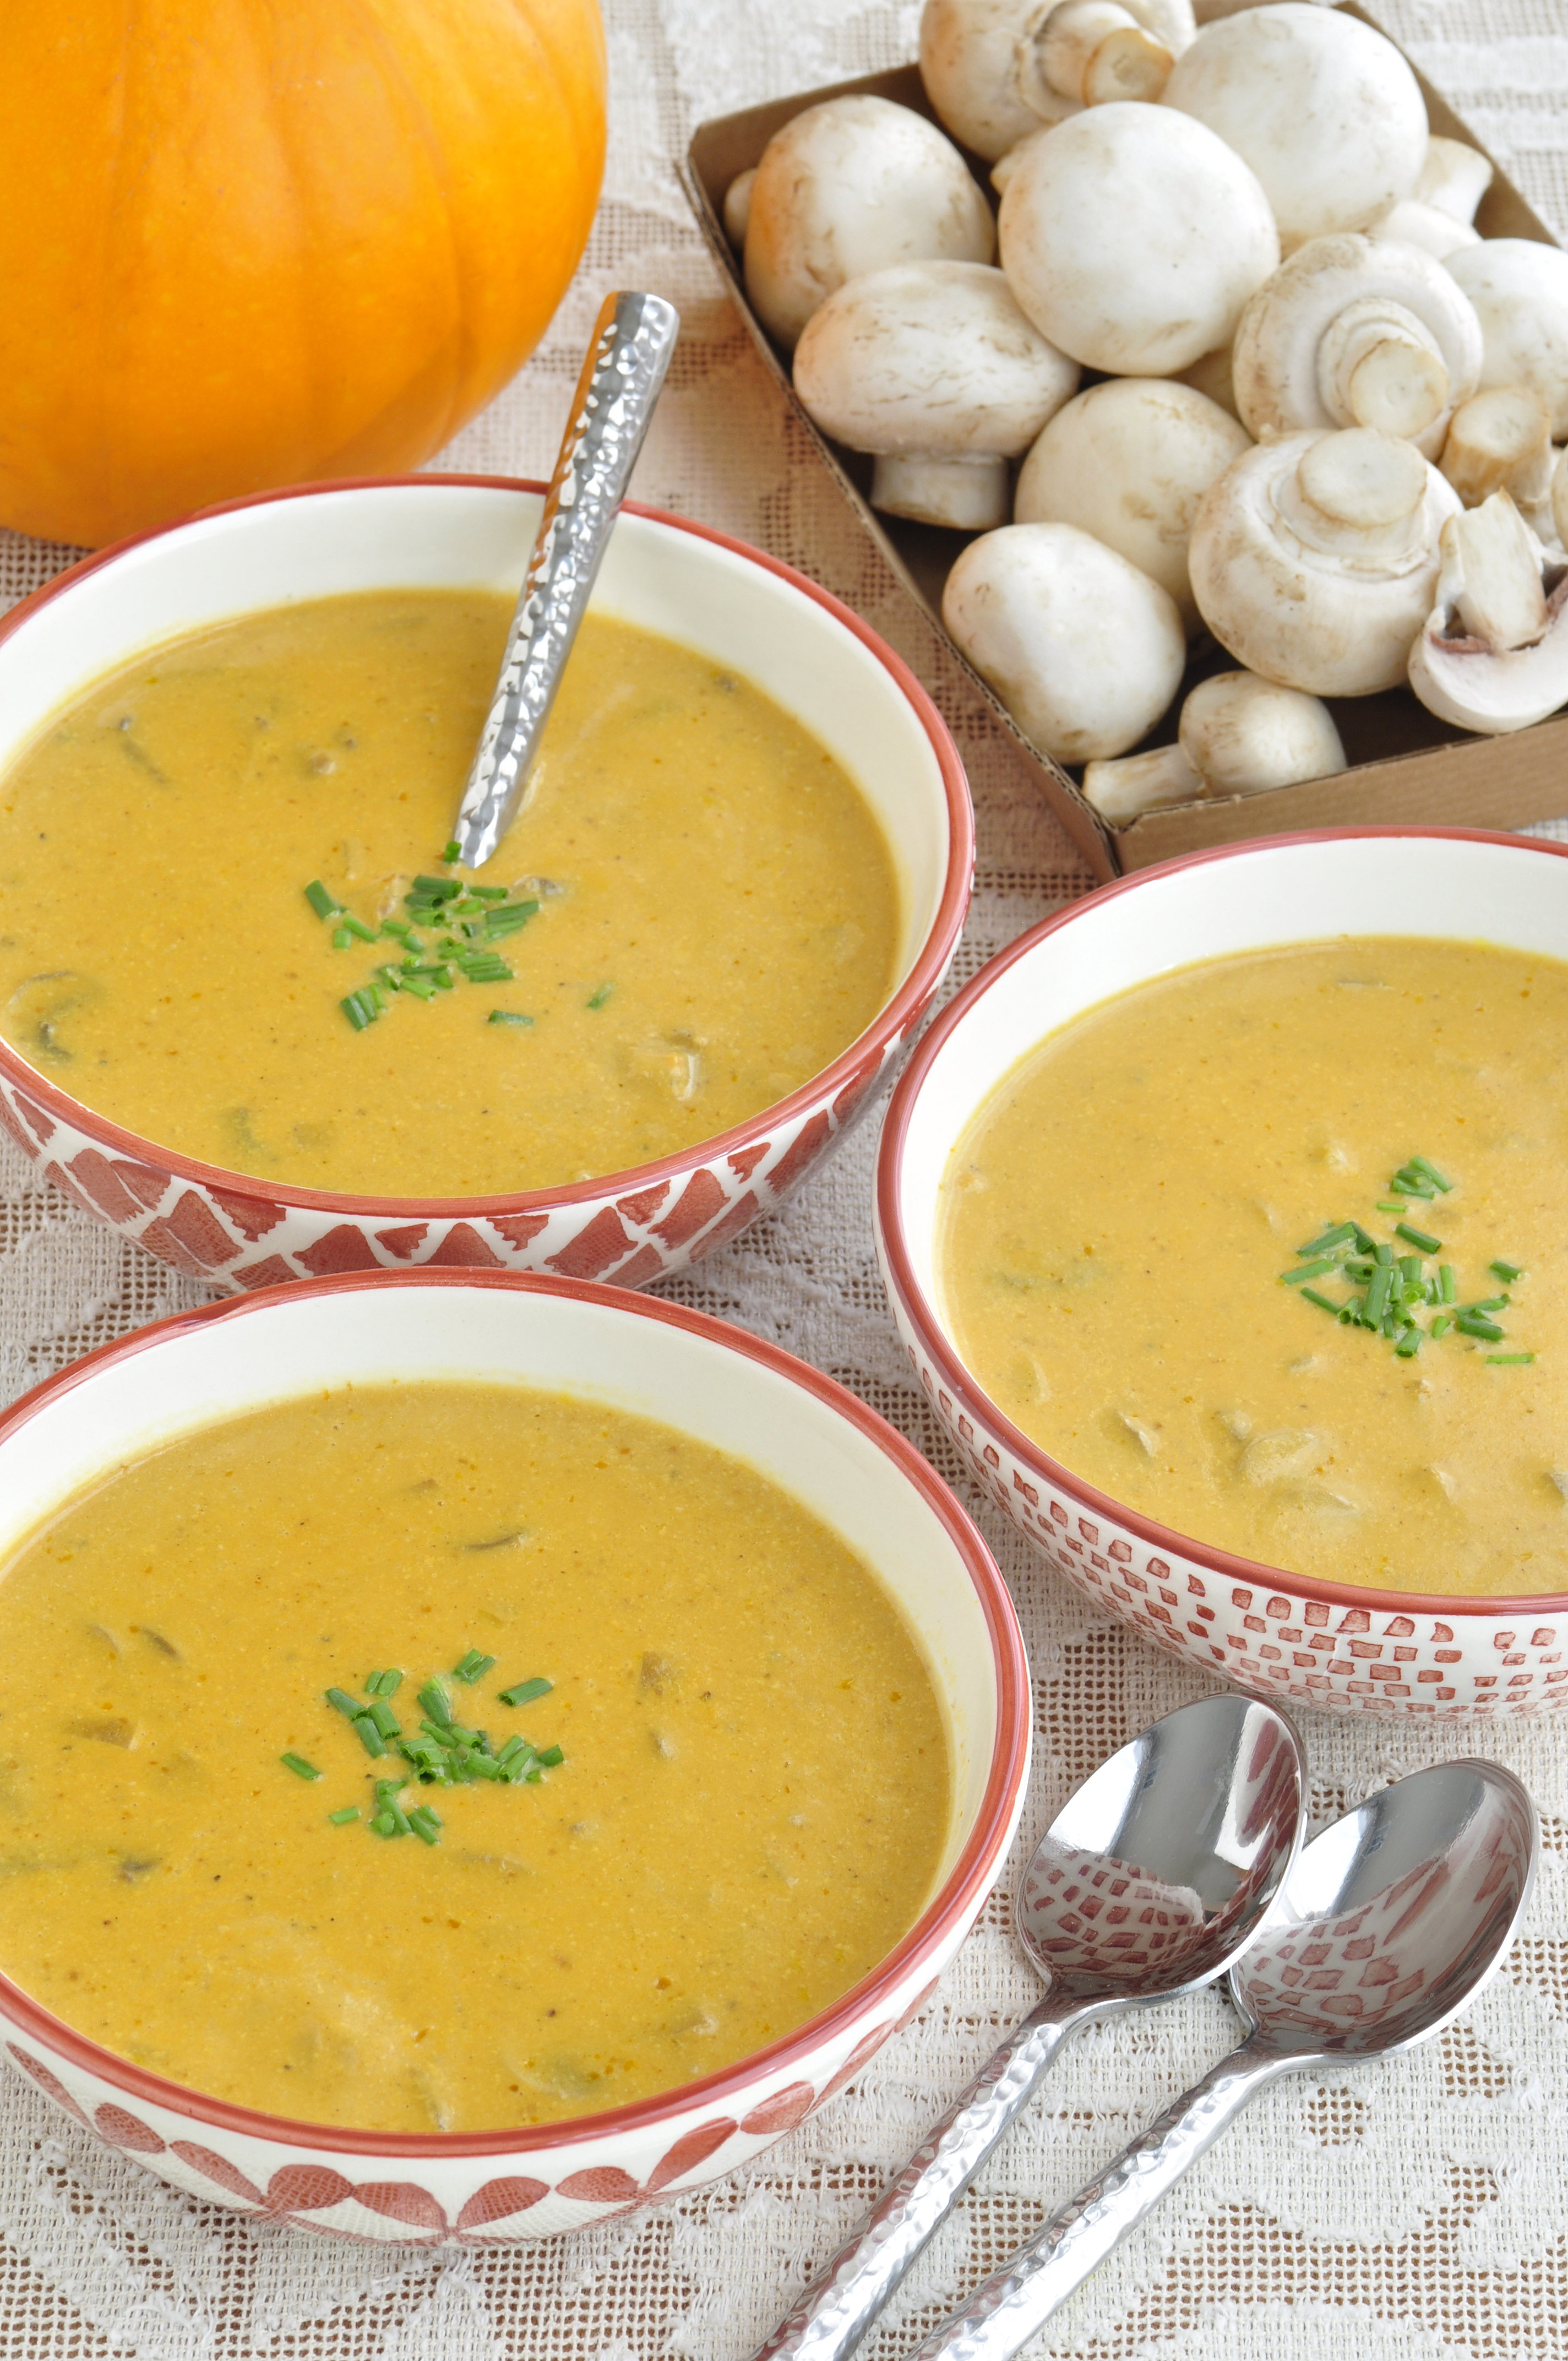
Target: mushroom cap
pixel 968 63
pixel 1128 461
pixel 930 357
pixel 1413 223
pixel 1084 651
pixel 1242 734
pixel 851 186
pixel 1315 618
pixel 1283 385
pixel 1324 109
pixel 1132 236
pixel 1520 289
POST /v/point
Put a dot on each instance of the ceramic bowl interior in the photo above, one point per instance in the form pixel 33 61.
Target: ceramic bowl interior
pixel 1453 886
pixel 708 593
pixel 655 1360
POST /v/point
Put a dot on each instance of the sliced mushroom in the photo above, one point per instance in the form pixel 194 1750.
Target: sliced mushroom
pixel 1238 736
pixel 996 69
pixel 1454 177
pixel 1132 236
pixel 854 185
pixel 1500 441
pixel 1325 110
pixel 1520 289
pixel 1129 461
pixel 1351 332
pixel 932 367
pixel 1084 651
pixel 1314 558
pixel 1494 653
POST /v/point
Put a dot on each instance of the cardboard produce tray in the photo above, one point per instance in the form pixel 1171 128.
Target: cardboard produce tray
pixel 1408 768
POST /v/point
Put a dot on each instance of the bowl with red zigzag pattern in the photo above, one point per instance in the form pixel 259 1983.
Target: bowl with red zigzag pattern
pixel 746 609
pixel 1342 1646
pixel 730 1390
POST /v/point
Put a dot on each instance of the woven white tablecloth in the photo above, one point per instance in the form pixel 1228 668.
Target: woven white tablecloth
pixel 1418 2210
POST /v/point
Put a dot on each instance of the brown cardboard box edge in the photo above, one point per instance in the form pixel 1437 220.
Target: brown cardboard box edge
pixel 1469 782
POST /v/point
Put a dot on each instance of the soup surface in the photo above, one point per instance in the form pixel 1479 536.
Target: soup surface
pixel 1123 1256
pixel 700 912
pixel 748 1811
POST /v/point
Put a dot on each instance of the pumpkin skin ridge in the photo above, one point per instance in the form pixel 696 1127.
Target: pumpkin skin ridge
pixel 208 296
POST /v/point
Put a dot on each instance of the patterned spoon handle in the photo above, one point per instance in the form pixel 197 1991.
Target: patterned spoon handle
pixel 633 340
pixel 843 2300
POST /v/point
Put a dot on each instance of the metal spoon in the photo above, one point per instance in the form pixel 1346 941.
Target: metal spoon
pixel 1389 1925
pixel 633 339
pixel 1149 1882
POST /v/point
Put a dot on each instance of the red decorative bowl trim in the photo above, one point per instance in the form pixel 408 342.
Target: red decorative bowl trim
pixel 905 1004
pixel 963 1387
pixel 969 1881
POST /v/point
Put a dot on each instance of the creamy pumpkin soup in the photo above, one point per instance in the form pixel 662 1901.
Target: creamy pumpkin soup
pixel 226 922
pixel 447 1756
pixel 1275 1250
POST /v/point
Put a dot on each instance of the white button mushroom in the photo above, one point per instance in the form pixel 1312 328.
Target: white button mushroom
pixel 1454 177
pixel 1084 651
pixel 1350 332
pixel 1212 376
pixel 1519 289
pixel 851 186
pixel 1129 461
pixel 932 367
pixel 1410 223
pixel 737 206
pixel 1238 736
pixel 995 70
pixel 1324 109
pixel 1132 236
pixel 1314 558
pixel 1494 653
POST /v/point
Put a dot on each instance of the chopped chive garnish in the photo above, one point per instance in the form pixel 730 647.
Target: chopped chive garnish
pixel 1442 1324
pixel 454 850
pixel 506 918
pixel 343 1702
pixel 341 939
pixel 1390 1204
pixel 362 1008
pixel 1378 1292
pixel 422 1830
pixel 550 1756
pixel 321 901
pixel 1448 1291
pixel 437 1704
pixel 1410 1343
pixel 1337 1237
pixel 1421 1164
pixel 358 927
pixel 298 1766
pixel 485 966
pixel 1409 1267
pixel 1509 1361
pixel 341 1819
pixel 508 1016
pixel 384 1825
pixel 1507 1270
pixel 1488 1303
pixel 472 1667
pixel 1306 1270
pixel 1310 1295
pixel 597 999
pixel 1471 1323
pixel 385 1684
pixel 385 1719
pixel 1383 1256
pixel 525 1692
pixel 370 1738
pixel 1422 1238
pixel 436 889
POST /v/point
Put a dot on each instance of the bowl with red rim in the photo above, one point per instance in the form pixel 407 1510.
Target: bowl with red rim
pixel 1342 1646
pixel 745 610
pixel 730 1390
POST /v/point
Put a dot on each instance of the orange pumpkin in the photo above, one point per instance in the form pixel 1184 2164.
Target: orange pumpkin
pixel 252 242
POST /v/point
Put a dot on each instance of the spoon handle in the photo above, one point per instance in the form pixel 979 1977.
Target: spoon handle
pixel 843 2300
pixel 633 339
pixel 1004 2313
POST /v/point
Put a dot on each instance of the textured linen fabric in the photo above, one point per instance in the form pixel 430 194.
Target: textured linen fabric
pixel 1413 2211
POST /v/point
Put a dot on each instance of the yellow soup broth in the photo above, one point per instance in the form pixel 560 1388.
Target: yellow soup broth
pixel 749 1810
pixel 715 911
pixel 1119 1247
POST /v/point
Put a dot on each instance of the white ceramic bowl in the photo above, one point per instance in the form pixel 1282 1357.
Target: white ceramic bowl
pixel 1321 1643
pixel 848 1466
pixel 735 604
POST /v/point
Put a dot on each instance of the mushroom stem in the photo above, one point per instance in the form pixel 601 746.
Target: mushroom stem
pixel 1454 178
pixel 1238 736
pixel 968 491
pixel 1123 789
pixel 1353 495
pixel 1500 596
pixel 1094 50
pixel 1380 366
pixel 1500 441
